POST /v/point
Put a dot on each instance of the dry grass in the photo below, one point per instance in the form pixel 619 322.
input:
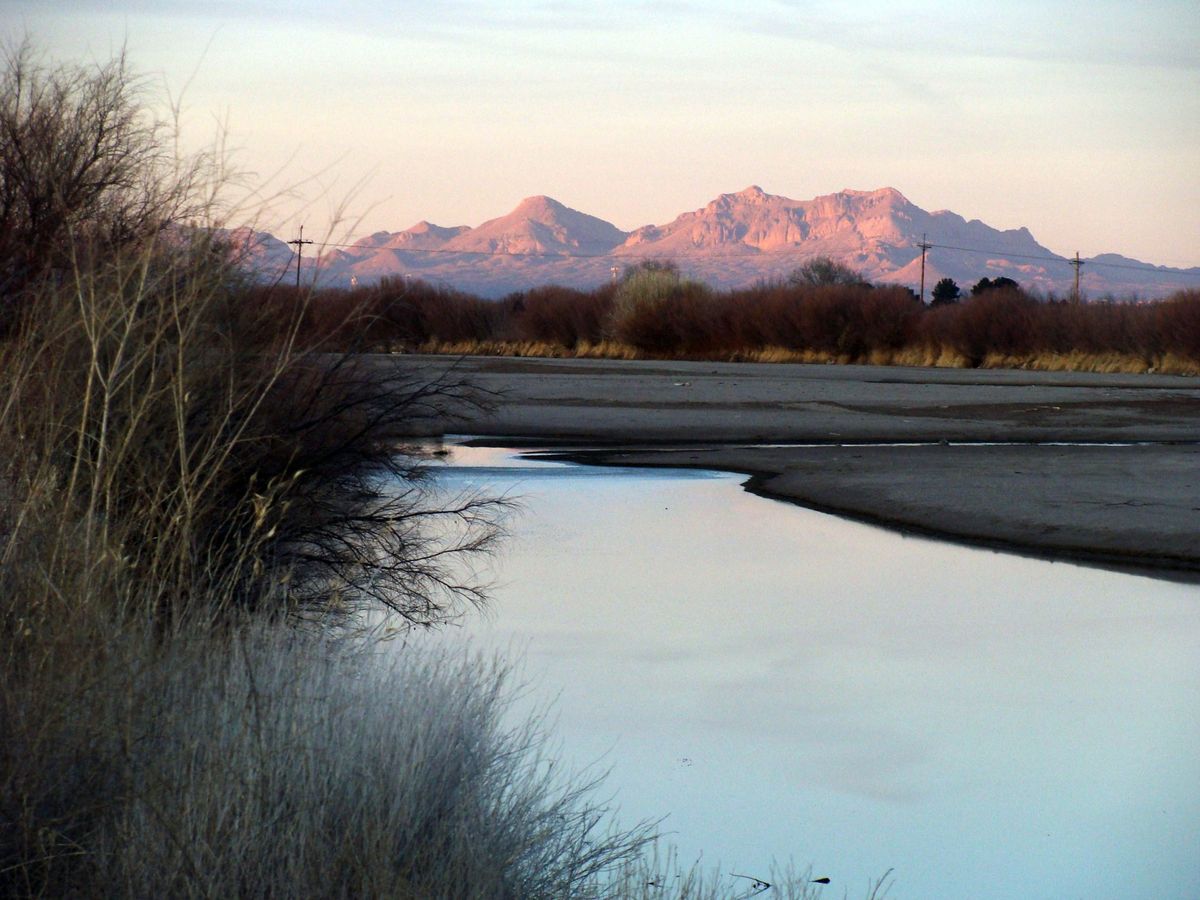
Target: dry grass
pixel 271 763
pixel 782 355
pixel 1166 363
pixel 583 350
pixel 916 356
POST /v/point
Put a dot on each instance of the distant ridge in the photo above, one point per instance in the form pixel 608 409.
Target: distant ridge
pixel 734 240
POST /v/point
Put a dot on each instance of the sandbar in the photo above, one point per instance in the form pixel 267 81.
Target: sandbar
pixel 1089 467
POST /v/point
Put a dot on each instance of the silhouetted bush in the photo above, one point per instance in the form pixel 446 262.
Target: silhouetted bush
pixel 831 320
pixel 418 311
pixel 396 312
pixel 1065 327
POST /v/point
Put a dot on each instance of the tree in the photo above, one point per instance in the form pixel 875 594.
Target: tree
pixel 945 292
pixel 666 267
pixel 822 270
pixel 983 285
pixel 85 168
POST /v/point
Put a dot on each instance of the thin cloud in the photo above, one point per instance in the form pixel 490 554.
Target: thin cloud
pixel 1156 35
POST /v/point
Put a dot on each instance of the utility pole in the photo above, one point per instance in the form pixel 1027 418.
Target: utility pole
pixel 299 242
pixel 924 245
pixel 1078 264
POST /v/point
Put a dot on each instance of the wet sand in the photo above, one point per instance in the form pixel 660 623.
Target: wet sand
pixel 989 466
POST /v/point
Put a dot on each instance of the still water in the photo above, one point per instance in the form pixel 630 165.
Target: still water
pixel 783 684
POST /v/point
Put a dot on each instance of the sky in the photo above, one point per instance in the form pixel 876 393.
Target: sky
pixel 1078 121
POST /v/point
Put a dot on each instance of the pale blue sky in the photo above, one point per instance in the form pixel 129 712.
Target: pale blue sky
pixel 1079 121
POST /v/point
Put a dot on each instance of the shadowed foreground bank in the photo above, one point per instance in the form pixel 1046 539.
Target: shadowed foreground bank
pixel 1006 475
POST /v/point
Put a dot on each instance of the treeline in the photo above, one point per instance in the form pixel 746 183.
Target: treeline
pixel 653 311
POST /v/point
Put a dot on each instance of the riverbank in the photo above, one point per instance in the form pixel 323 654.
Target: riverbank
pixel 994 463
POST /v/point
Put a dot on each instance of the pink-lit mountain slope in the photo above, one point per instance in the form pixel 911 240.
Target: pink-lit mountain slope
pixel 735 240
pixel 541 225
pixel 877 232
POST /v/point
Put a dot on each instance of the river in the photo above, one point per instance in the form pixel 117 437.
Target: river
pixel 784 684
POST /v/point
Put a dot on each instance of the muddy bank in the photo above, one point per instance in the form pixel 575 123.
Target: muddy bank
pixel 1133 506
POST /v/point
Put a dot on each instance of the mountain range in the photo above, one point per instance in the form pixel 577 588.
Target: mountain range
pixel 735 240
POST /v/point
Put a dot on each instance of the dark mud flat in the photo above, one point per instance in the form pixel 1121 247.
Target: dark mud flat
pixel 1022 465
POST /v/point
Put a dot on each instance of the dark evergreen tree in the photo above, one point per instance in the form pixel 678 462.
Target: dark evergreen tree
pixel 945 292
pixel 983 285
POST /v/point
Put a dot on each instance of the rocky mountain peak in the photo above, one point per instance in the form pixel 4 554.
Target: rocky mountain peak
pixel 539 206
pixel 541 224
pixel 753 194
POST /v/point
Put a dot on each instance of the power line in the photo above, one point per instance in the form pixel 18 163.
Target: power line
pixel 1058 259
pixel 1190 272
pixel 1071 262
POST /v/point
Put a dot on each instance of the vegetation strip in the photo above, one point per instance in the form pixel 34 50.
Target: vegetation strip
pixel 655 313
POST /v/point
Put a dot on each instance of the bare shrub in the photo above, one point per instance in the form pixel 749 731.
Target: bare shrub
pixel 210 451
pixel 429 312
pixel 823 271
pixel 999 320
pixel 659 312
pixel 85 169
pixel 198 430
pixel 889 318
pixel 563 316
pixel 1178 323
pixel 832 319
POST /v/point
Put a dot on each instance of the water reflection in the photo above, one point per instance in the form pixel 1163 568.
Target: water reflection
pixel 787 684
